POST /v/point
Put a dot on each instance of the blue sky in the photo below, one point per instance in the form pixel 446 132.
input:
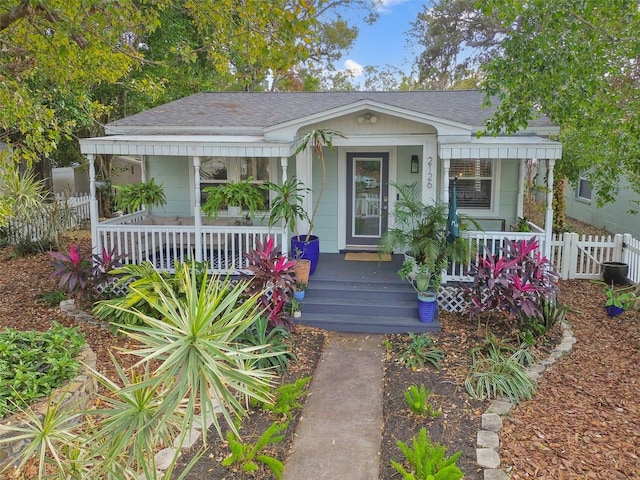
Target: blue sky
pixel 385 42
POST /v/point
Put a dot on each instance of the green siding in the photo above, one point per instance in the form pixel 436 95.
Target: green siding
pixel 173 174
pixel 404 175
pixel 326 221
pixel 614 217
pixel 508 199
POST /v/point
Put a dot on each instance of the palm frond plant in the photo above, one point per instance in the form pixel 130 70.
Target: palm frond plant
pixel 33 223
pixel 420 229
pixel 287 206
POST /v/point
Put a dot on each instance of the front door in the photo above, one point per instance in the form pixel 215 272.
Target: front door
pixel 367 198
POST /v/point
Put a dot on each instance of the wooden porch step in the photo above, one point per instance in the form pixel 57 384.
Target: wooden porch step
pixel 363 306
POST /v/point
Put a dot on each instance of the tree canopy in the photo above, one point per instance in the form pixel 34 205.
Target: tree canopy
pixel 577 62
pixel 69 66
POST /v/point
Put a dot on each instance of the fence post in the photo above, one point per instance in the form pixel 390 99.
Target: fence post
pixel 618 249
pixel 569 256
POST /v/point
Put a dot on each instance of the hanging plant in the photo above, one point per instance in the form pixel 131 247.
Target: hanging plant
pixel 132 197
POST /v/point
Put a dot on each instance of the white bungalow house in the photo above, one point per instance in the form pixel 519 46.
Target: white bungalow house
pixel 209 138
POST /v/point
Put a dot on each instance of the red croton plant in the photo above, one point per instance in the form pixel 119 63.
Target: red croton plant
pixel 516 283
pixel 272 277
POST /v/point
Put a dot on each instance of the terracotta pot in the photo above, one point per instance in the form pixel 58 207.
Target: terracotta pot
pixel 302 270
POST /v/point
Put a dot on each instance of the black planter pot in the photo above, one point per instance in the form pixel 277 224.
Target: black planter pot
pixel 615 272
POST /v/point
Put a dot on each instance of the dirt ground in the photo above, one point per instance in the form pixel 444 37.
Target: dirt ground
pixel 583 423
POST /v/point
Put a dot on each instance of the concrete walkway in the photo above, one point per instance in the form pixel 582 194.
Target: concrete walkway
pixel 340 431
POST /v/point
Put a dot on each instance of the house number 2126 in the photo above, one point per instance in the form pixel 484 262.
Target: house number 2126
pixel 430 174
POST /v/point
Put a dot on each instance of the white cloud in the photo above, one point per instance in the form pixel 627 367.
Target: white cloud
pixel 385 6
pixel 353 67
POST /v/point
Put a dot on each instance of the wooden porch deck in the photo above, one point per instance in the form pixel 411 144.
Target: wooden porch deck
pixel 363 297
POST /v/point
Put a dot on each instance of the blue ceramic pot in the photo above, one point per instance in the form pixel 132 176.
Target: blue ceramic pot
pixel 427 307
pixel 614 311
pixel 310 250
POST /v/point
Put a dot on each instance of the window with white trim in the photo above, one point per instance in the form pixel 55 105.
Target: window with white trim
pixel 475 183
pixel 222 170
pixel 583 192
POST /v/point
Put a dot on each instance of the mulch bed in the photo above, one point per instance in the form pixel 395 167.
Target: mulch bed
pixel 584 421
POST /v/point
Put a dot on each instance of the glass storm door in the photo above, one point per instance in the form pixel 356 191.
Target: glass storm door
pixel 367 198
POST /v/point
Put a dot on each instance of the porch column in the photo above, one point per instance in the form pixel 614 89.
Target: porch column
pixel 548 221
pixel 96 241
pixel 197 219
pixel 284 164
pixel 521 178
pixel 446 166
pixel 143 168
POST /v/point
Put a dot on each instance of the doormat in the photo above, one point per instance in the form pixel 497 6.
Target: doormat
pixel 367 257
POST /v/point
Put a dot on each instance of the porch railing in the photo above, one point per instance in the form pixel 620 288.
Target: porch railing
pixel 223 247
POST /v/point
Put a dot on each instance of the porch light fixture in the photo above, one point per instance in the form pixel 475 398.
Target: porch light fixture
pixel 367 118
pixel 414 164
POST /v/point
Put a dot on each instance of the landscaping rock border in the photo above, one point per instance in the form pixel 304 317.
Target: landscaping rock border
pixel 77 394
pixel 488 439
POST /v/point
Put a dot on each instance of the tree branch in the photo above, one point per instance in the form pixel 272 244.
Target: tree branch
pixel 16 13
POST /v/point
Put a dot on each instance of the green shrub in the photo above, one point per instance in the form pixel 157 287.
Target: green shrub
pixel 421 349
pixel 416 398
pixel 287 397
pixel 427 461
pixel 190 364
pixel 33 363
pixel 248 454
pixel 272 342
pixel 494 375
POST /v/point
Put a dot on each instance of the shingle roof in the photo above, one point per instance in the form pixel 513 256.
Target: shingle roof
pixel 259 110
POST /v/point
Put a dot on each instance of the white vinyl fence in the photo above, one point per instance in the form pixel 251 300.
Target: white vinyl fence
pixel 573 256
pixel 64 213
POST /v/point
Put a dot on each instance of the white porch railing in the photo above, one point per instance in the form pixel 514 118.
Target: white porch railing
pixel 224 247
pixel 494 242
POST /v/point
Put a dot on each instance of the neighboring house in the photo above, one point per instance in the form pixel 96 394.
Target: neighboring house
pixel 75 179
pixel 391 137
pixel 616 217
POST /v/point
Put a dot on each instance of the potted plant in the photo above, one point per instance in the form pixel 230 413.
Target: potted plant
pixel 132 197
pixel 618 300
pixel 420 230
pixel 425 278
pixel 286 206
pixel 307 243
pixel 296 311
pixel 300 291
pixel 234 196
